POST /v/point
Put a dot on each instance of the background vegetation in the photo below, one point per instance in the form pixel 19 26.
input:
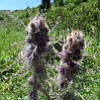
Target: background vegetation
pixel 62 17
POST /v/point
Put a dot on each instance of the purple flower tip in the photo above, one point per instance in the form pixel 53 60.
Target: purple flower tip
pixel 29 40
pixel 71 64
pixel 29 55
pixel 62 69
pixel 41 44
pixel 62 84
pixel 67 53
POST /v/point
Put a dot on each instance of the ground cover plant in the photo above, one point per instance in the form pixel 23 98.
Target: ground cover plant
pixel 64 19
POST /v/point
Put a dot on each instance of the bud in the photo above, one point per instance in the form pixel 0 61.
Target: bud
pixel 29 40
pixel 30 81
pixel 62 70
pixel 71 52
pixel 38 30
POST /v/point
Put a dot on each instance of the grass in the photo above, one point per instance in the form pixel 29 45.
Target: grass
pixel 10 45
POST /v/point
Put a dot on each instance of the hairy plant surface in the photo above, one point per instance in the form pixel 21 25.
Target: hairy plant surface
pixel 61 20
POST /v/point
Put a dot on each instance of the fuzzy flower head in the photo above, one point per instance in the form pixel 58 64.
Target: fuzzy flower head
pixel 74 44
pixel 37 25
pixel 77 34
pixel 78 39
pixel 71 52
pixel 30 81
pixel 62 70
pixel 38 30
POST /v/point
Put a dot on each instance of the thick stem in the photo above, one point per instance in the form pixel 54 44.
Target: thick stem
pixel 34 93
pixel 37 43
pixel 70 54
pixel 35 89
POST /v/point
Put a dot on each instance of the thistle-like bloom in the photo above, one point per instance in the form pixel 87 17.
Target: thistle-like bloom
pixel 37 37
pixel 38 30
pixel 36 45
pixel 71 52
pixel 73 46
pixel 61 70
